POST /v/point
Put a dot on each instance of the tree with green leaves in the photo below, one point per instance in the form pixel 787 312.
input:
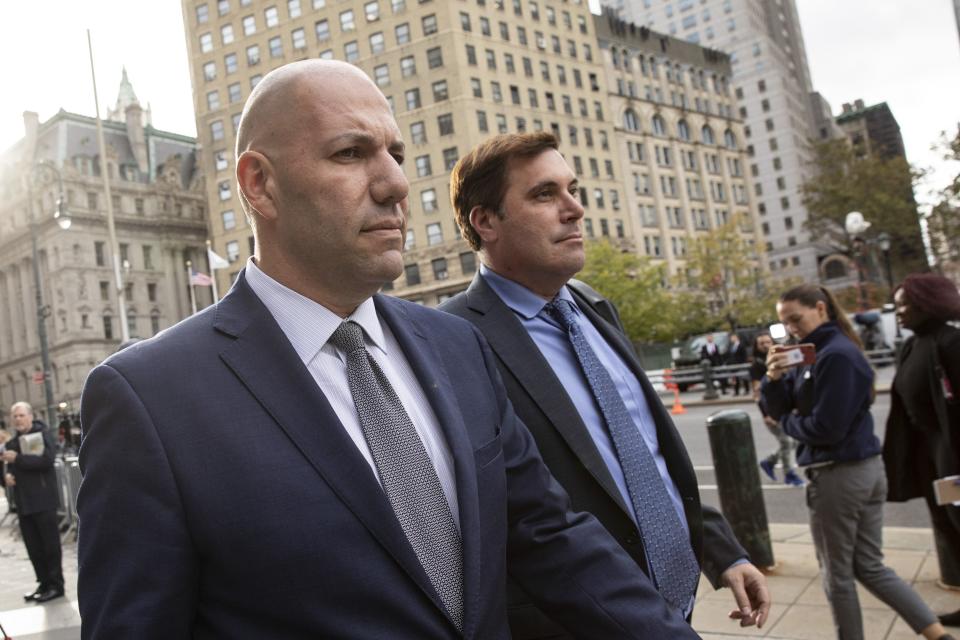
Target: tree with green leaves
pixel 724 273
pixel 649 311
pixel 943 222
pixel 848 179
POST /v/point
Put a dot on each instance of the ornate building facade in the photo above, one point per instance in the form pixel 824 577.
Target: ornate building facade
pixel 159 206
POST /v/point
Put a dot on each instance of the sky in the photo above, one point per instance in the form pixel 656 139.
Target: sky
pixel 904 53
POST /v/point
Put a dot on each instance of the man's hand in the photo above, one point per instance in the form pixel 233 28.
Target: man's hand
pixel 10 480
pixel 749 588
pixel 9 456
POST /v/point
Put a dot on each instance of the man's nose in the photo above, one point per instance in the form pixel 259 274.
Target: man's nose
pixel 390 185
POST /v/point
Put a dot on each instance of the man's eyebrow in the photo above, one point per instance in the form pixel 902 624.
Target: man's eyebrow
pixel 365 139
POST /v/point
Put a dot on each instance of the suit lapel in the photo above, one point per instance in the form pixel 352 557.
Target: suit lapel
pixel 269 367
pixel 521 356
pixel 432 376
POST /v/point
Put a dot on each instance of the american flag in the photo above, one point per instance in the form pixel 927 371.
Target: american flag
pixel 198 279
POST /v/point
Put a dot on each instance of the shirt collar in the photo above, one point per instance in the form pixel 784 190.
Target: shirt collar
pixel 308 324
pixel 520 299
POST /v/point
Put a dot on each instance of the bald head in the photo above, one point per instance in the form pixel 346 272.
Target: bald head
pixel 270 115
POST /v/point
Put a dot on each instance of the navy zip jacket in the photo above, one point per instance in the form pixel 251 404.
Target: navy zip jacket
pixel 826 406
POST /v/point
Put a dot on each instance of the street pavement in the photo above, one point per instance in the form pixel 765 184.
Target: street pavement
pixel 800 610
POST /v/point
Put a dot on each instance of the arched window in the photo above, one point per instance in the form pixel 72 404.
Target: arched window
pixel 630 120
pixel 683 130
pixel 659 126
pixel 729 140
pixel 706 134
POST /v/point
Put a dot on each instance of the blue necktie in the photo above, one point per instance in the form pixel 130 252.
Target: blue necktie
pixel 670 559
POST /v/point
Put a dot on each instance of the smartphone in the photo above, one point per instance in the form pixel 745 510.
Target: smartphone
pixel 778 331
pixel 799 354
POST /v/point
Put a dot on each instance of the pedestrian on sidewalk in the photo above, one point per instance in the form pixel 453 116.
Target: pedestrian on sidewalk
pixel 826 407
pixel 737 354
pixel 923 430
pixel 786 446
pixel 29 461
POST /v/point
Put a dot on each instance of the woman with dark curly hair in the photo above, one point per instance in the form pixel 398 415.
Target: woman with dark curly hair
pixel 825 406
pixel 923 430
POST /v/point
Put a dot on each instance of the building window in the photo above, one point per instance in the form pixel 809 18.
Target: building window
pixel 108 327
pixel 377 43
pixel 322 30
pixel 229 219
pixel 233 250
pixel 439 268
pixel 428 200
pixel 450 157
pixel 230 63
pixel 213 100
pixel 408 66
pixel 206 43
pixel 226 33
pixel 429 24
pixel 402 31
pixel 104 291
pixel 412 97
pixel 423 166
pixel 234 92
pixel 465 21
pixel 224 190
pixel 210 71
pixel 372 11
pixel 147 257
pixel 298 38
pixel 381 75
pixel 271 17
pixel 351 51
pixel 418 133
pixel 434 57
pixel 445 124
pixel 482 121
pixel 434 234
pixel 468 263
pixel 440 92
pixel 346 20
pixel 412 273
pixel 152 291
pixel 410 241
pixel 253 55
pixel 275 44
pixel 223 7
pixel 203 14
pixel 471 55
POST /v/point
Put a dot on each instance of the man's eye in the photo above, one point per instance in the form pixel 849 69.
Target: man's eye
pixel 352 152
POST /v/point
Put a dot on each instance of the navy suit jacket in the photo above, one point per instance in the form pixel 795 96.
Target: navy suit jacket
pixel 542 403
pixel 222 498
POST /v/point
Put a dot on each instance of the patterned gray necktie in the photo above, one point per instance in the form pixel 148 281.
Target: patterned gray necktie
pixel 670 559
pixel 408 476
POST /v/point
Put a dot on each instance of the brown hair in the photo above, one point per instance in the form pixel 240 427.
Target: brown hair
pixel 933 295
pixel 810 294
pixel 480 177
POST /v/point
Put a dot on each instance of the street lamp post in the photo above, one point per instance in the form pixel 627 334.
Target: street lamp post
pixel 883 241
pixel 43 311
pixel 855 225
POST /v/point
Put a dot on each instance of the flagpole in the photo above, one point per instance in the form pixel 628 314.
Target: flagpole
pixel 111 227
pixel 193 295
pixel 213 275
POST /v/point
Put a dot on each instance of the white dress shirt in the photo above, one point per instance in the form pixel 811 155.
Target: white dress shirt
pixel 308 326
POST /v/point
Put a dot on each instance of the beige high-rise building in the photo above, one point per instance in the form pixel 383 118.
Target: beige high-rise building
pixel 455 72
pixel 679 139
pixel 159 205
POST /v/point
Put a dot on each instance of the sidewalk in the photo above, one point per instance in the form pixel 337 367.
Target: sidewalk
pixel 800 611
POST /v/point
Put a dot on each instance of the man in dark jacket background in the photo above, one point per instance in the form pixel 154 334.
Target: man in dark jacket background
pixel 29 457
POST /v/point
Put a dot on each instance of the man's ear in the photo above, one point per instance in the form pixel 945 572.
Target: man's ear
pixel 257 183
pixel 486 223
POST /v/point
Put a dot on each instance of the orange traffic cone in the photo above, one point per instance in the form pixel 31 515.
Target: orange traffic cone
pixel 677 405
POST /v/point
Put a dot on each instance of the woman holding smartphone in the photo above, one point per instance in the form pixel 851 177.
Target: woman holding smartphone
pixel 825 406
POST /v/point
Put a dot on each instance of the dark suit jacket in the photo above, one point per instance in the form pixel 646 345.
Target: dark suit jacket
pixel 36 489
pixel 222 498
pixel 540 400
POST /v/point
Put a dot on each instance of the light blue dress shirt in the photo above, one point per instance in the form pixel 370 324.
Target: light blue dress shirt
pixel 556 348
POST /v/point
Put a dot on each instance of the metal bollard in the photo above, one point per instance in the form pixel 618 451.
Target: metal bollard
pixel 738 483
pixel 710 393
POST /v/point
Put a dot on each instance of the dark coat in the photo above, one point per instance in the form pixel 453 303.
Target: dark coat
pixel 826 407
pixel 900 447
pixel 540 400
pixel 36 489
pixel 222 497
